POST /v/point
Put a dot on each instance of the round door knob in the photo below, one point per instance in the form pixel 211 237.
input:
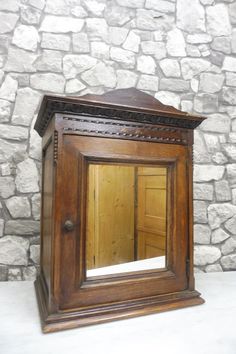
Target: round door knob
pixel 68 226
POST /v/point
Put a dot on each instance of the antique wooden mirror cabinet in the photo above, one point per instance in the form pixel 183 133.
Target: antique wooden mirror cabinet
pixel 116 230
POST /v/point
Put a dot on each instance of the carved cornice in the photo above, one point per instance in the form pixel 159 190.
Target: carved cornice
pixel 123 130
pixel 53 106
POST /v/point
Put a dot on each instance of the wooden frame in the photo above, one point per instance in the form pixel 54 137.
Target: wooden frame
pixel 110 128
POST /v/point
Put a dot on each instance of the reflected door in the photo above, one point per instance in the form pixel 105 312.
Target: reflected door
pixel 110 230
pixel 151 228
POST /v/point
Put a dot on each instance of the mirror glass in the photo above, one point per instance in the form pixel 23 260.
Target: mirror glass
pixel 126 223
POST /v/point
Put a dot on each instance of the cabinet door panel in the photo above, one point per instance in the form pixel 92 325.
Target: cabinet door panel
pixel 79 152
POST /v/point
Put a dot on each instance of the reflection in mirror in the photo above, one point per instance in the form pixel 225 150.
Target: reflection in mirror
pixel 126 218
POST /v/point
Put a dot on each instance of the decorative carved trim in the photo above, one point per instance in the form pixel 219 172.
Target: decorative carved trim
pixel 55 146
pixel 104 112
pixel 115 129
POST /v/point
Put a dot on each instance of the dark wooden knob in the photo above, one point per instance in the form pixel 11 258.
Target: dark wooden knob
pixel 68 226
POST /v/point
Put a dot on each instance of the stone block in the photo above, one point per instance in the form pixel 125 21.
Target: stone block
pixel 203 191
pixel 190 16
pixel 126 79
pixel 176 85
pixel 229 95
pixel 230 79
pixel 57 7
pixel 55 41
pixel 18 207
pixel 80 43
pixel 212 142
pixel 131 3
pixel 186 106
pixel 170 67
pixel 216 123
pixel 5 111
pixel 228 246
pixel 219 158
pixel 36 205
pixel 200 153
pixel 117 15
pixel 132 42
pixel 26 37
pixel 219 235
pixel 100 50
pixel 61 24
pixel 207 173
pixel 35 253
pixel 221 44
pixel 49 60
pixel 14 274
pixel 79 11
pixel 48 82
pixel 160 5
pixel 202 234
pixel 97 28
pixel 229 64
pixel 199 38
pixel 76 64
pixel 158 49
pixel 220 213
pixel 223 191
pixel 19 60
pixel 204 255
pixel 22 227
pixel 191 67
pixel 206 103
pixel 146 64
pixel 7 22
pixel 9 150
pixel 27 177
pixel 10 5
pixel 8 89
pixel 74 85
pixel 123 57
pixel 7 187
pixel 30 15
pixel 147 19
pixel 148 83
pixel 117 35
pixel 176 43
pixel 218 23
pixel 27 101
pixel 211 83
pixel 230 225
pixel 213 268
pixel 100 74
pixel 13 250
pixel 200 212
pixel 229 262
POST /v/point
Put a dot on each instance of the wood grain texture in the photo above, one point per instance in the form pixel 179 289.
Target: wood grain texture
pixel 113 130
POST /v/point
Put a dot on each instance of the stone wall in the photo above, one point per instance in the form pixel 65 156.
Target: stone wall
pixel 183 52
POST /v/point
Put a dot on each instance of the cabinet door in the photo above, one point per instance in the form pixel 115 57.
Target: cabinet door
pixel 79 153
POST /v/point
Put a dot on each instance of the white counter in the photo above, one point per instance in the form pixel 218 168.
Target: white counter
pixel 203 329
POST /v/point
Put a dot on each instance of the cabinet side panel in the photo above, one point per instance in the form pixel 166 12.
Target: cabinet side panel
pixel 47 213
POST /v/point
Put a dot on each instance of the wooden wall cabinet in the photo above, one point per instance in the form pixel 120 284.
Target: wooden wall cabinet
pixel 129 142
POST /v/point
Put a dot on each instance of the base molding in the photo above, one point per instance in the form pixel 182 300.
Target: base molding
pixel 62 320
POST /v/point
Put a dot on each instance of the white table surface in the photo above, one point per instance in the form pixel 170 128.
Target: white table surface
pixel 205 329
